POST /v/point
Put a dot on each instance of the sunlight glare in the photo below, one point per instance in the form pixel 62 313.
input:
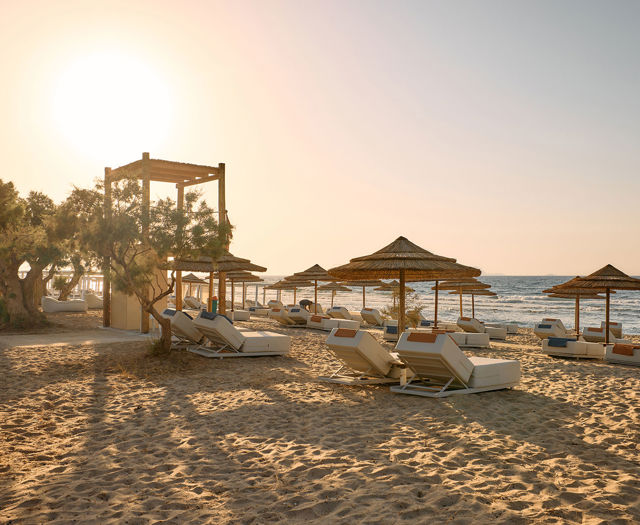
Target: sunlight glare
pixel 108 104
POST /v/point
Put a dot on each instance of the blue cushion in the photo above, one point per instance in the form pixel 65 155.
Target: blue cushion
pixel 392 329
pixel 424 322
pixel 559 342
pixel 170 312
pixel 544 326
pixel 210 315
pixel 295 310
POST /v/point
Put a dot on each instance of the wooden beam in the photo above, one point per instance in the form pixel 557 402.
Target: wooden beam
pixel 222 219
pixel 182 166
pixel 128 170
pixel 198 181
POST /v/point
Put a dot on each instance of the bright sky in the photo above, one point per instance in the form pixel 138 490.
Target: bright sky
pixel 502 133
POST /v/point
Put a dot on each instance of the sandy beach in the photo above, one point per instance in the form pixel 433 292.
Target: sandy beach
pixel 108 434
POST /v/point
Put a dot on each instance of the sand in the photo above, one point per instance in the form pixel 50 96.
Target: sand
pixel 107 434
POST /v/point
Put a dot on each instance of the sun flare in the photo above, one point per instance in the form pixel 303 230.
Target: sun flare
pixel 106 104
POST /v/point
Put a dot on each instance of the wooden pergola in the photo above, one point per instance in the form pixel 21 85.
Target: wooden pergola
pixel 182 175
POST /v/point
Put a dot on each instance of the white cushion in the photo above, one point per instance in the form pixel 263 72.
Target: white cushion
pixel 240 315
pixel 496 333
pixel 339 312
pixel 493 372
pixel 51 305
pixel 257 341
pixel 470 324
pixel 220 330
pixel 371 316
pixel 360 351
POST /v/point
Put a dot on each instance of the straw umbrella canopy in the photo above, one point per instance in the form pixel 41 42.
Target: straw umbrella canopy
pixel 459 285
pixel 315 273
pixel 473 294
pixel 393 286
pixel 369 283
pixel 241 277
pixel 333 288
pixel 608 278
pixel 289 285
pixel 406 261
pixel 191 279
pixel 227 262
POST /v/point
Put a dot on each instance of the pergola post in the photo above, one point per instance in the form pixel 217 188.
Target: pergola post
pixel 577 316
pixel 473 306
pixel 106 263
pixel 210 299
pixel 146 205
pixel 608 301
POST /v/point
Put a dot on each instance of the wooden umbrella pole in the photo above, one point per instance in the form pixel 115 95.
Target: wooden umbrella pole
pixel 333 294
pixel 577 322
pixel 435 318
pixel 606 336
pixel 210 290
pixel 264 295
pixel 295 291
pixel 473 306
pixel 461 314
pixel 401 305
pixel 363 298
pixel 244 293
pixel 315 297
pixel 232 292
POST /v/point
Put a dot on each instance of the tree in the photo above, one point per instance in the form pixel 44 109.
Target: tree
pixel 27 235
pixel 138 241
pixel 413 308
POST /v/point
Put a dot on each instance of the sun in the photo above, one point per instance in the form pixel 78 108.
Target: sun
pixel 107 104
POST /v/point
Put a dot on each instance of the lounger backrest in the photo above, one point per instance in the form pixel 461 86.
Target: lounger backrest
pixel 614 328
pixel 553 320
pixel 218 329
pixel 281 315
pixel 297 312
pixel 340 312
pixel 360 351
pixel 371 316
pixel 183 327
pixel 275 304
pixel 470 324
pixel 434 356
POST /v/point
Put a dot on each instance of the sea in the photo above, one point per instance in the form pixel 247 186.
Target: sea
pixel 519 299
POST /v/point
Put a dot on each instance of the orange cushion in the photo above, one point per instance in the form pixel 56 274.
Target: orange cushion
pixel 421 337
pixel 345 332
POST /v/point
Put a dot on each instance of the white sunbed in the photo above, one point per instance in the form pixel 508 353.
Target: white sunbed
pixel 227 341
pixel 94 302
pixel 390 330
pixel 365 361
pixel 182 327
pixel 275 304
pixel 282 316
pixel 473 325
pixel 549 327
pixel 372 316
pixel 299 314
pixel 596 335
pixel 441 368
pixel 322 322
pixel 316 309
pixel 258 311
pixel 614 328
pixel 240 315
pixel 194 303
pixel 622 354
pixel 462 339
pixel 51 305
pixel 569 347
pixel 339 312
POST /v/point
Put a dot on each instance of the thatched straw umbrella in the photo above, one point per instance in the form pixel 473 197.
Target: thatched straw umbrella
pixel 572 289
pixel 393 286
pixel 473 294
pixel 223 264
pixel 191 279
pixel 607 278
pixel 407 262
pixel 315 273
pixel 241 277
pixel 333 288
pixel 289 285
pixel 365 284
pixel 458 286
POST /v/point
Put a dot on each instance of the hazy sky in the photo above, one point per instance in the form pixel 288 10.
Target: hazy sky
pixel 503 133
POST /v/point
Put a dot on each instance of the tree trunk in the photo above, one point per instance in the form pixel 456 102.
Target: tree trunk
pixel 165 326
pixel 28 289
pixel 19 315
pixel 70 284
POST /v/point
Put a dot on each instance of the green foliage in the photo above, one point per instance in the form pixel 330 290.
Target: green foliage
pixel 413 309
pixel 4 313
pixel 59 282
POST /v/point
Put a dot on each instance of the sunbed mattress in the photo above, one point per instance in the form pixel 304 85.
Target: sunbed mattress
pixel 360 351
pixel 258 341
pixel 493 372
